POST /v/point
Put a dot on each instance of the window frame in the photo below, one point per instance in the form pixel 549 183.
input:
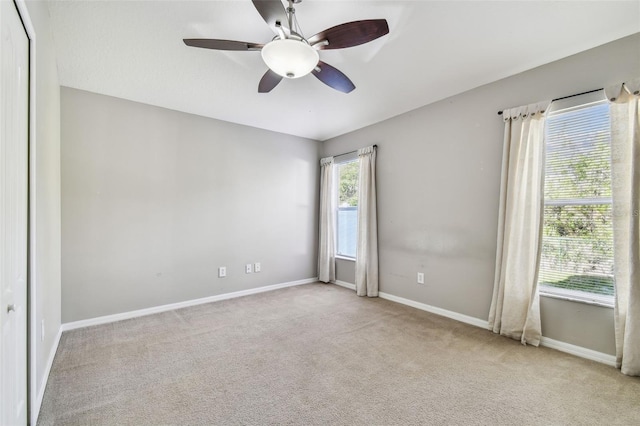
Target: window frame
pixel 339 161
pixel 561 107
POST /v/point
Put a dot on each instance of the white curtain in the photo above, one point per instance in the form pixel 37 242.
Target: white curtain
pixel 625 181
pixel 327 247
pixel 367 248
pixel 515 308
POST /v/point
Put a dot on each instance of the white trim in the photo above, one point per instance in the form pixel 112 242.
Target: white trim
pixel 422 306
pixel 435 310
pixel 349 157
pixel 577 102
pixel 33 408
pixel 343 257
pixel 172 306
pixel 344 284
pixel 45 378
pixel 577 296
pixel 544 341
pixel 578 351
pixel 599 201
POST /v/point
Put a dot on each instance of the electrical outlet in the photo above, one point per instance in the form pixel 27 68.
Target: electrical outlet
pixel 420 277
pixel 248 268
pixel 257 267
pixel 222 272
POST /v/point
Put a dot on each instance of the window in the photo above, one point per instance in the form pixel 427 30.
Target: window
pixel 577 236
pixel 347 214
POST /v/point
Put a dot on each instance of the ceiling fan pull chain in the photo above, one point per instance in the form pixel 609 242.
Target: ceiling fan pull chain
pixel 298 30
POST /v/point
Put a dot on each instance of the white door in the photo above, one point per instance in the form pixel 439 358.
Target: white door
pixel 14 96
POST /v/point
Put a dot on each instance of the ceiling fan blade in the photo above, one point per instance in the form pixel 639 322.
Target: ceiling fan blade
pixel 350 34
pixel 209 43
pixel 268 81
pixel 333 78
pixel 272 11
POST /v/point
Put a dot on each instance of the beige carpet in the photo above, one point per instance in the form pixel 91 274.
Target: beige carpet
pixel 317 354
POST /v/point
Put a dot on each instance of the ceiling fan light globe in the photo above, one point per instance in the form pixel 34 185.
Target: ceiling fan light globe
pixel 290 58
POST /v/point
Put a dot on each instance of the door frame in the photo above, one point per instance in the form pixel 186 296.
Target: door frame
pixel 33 405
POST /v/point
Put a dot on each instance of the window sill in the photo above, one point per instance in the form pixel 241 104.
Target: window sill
pixel 572 296
pixel 352 259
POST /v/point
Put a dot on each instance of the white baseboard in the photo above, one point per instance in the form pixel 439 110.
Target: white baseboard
pixel 544 341
pixel 578 351
pixel 35 411
pixel 344 284
pixel 434 310
pixel 422 306
pixel 172 306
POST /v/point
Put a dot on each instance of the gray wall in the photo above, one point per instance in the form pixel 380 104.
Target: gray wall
pixel 154 201
pixel 346 270
pixel 438 189
pixel 45 198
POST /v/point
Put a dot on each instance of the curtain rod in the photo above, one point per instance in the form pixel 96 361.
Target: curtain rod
pixel 350 152
pixel 567 97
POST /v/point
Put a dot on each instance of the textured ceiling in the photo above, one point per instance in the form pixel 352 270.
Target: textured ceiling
pixel 435 49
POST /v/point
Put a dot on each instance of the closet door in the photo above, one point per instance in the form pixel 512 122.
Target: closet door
pixel 14 109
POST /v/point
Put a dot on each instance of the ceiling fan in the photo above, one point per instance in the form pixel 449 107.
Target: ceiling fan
pixel 290 55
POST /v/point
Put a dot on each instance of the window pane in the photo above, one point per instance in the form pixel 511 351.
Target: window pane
pixel 578 152
pixel 347 217
pixel 577 248
pixel 347 231
pixel 348 189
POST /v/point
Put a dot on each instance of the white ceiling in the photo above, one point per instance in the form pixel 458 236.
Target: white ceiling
pixel 435 49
